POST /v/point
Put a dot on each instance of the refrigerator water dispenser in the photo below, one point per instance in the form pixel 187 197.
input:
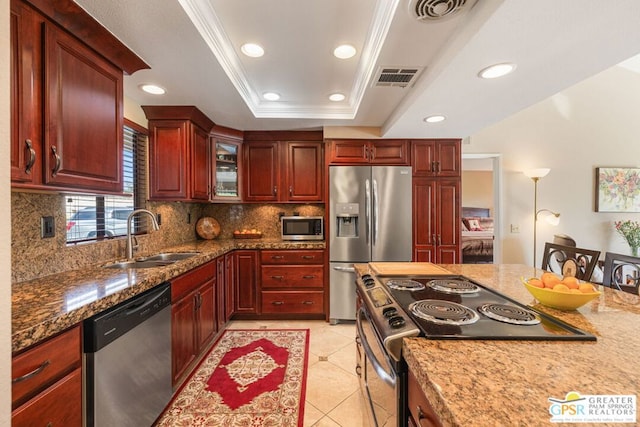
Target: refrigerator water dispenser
pixel 347 219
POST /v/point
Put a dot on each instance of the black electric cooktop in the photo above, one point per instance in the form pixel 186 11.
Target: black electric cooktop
pixel 456 307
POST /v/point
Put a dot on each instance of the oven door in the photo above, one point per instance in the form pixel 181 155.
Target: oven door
pixel 379 380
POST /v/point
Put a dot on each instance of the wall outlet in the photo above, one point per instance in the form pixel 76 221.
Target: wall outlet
pixel 515 228
pixel 47 227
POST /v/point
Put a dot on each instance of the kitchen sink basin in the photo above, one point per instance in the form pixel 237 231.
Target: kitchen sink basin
pixel 158 260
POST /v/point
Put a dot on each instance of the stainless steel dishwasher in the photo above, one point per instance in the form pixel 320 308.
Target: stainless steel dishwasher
pixel 127 356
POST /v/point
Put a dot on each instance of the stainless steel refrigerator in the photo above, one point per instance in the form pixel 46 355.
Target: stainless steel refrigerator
pixel 370 213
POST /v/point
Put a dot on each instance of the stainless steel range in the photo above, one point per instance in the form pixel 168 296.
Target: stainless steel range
pixel 434 307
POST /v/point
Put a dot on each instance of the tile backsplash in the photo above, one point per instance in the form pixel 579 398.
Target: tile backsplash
pixel 33 256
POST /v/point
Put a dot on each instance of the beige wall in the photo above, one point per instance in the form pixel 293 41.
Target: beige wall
pixel 5 222
pixel 594 123
pixel 477 189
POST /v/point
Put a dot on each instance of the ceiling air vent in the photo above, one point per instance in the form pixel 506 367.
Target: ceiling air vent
pixel 431 10
pixel 396 76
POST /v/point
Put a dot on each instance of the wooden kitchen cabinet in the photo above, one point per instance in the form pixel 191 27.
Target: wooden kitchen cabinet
pixel 178 153
pixel 193 318
pixel 45 375
pixel 221 286
pixel 66 99
pixel 245 282
pixel 421 413
pixel 436 220
pixel 225 164
pixel 292 283
pixel 436 157
pixel 378 151
pixel 283 167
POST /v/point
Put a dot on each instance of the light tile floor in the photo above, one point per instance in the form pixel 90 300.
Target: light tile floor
pixel 333 398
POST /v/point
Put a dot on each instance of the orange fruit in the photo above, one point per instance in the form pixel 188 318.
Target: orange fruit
pixel 571 282
pixel 586 288
pixel 549 280
pixel 560 287
pixel 536 282
pixel 574 291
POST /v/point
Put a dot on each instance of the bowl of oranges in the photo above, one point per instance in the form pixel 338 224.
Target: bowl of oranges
pixel 567 293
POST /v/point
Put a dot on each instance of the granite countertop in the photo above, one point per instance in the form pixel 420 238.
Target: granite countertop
pixel 43 307
pixel 508 383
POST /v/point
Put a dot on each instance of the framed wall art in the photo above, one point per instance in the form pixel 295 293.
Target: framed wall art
pixel 617 190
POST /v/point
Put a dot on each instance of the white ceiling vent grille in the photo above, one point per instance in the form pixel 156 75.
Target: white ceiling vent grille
pixel 396 76
pixel 431 10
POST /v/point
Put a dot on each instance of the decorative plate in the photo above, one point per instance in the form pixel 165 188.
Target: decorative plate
pixel 208 228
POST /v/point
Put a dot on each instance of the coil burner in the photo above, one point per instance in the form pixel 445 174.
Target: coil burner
pixel 509 314
pixel 405 285
pixel 453 286
pixel 443 312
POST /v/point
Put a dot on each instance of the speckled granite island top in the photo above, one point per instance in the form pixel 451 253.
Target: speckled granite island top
pixel 40 308
pixel 508 383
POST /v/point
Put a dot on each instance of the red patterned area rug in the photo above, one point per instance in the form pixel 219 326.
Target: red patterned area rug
pixel 250 378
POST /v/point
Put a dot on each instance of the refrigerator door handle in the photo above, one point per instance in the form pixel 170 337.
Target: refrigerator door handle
pixel 346 269
pixel 367 209
pixel 374 221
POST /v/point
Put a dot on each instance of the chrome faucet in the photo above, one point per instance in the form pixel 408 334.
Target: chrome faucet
pixel 130 238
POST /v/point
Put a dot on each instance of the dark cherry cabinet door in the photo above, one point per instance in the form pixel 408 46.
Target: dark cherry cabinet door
pixel 448 221
pixel 199 164
pixel 206 315
pixel 376 151
pixel 389 152
pixel 26 87
pixel 261 171
pixel 304 169
pixel 168 159
pixel 246 281
pixel 82 115
pixel 424 227
pixel 349 151
pixel 183 345
pixel 438 157
pixel 220 293
pixel 230 286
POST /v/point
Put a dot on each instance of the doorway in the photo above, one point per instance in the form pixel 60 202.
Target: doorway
pixel 481 188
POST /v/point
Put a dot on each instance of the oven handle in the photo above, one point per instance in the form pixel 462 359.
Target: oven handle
pixel 377 366
pixel 345 269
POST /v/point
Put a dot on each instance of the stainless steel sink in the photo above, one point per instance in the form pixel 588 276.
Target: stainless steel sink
pixel 158 260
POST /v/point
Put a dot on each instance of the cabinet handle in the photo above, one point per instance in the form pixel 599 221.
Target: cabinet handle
pixel 277 277
pixel 421 414
pixel 308 256
pixel 433 239
pixel 290 190
pixel 366 152
pixel 275 190
pixel 32 156
pixel 433 166
pixel 309 276
pixel 307 302
pixel 56 168
pixel 278 303
pixel 277 256
pixel 439 240
pixel 438 167
pixel 32 373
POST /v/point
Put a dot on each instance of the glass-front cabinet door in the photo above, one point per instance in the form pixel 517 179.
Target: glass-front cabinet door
pixel 225 173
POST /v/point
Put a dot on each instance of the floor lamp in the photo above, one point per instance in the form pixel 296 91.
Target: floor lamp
pixel 550 216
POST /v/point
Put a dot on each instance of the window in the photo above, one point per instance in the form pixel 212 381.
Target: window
pixel 99 217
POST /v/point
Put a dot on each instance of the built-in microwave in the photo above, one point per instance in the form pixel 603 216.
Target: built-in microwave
pixel 302 227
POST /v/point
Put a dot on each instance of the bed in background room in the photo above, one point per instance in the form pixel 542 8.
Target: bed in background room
pixel 477 235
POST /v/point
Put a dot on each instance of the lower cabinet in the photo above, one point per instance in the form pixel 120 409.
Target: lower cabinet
pixel 245 282
pixel 193 317
pixel 421 413
pixel 292 282
pixel 43 377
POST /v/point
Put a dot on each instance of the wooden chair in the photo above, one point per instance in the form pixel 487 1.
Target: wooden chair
pixel 622 272
pixel 569 260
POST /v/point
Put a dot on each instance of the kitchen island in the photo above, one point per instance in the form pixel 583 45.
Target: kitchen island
pixel 509 383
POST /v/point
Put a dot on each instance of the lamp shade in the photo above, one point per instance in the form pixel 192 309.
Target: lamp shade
pixel 537 173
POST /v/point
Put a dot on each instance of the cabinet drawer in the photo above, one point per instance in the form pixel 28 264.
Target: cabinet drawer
pixel 292 276
pixel 35 369
pixel 59 405
pixel 292 257
pixel 291 302
pixel 189 281
pixel 419 407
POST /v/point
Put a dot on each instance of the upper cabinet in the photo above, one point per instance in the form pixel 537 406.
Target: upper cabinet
pixel 283 167
pixel 226 167
pixel 379 151
pixel 436 157
pixel 66 99
pixel 178 153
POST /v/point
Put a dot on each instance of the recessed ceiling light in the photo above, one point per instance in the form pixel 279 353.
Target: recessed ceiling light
pixel 336 97
pixel 152 89
pixel 253 50
pixel 497 70
pixel 344 51
pixel 271 96
pixel 434 119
